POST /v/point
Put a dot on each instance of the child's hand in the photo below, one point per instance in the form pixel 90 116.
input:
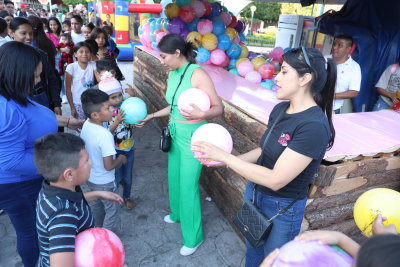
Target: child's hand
pixel 110 196
pixel 270 259
pixel 379 229
pixel 120 117
pixel 130 91
pixel 323 237
pixel 123 159
pixel 74 113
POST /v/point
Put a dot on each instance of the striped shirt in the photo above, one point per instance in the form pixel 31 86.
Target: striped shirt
pixel 60 215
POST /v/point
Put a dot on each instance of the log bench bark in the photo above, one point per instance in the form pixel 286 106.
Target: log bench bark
pixel 334 189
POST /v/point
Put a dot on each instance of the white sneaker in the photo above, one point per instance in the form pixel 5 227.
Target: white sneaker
pixel 64 99
pixel 185 251
pixel 168 220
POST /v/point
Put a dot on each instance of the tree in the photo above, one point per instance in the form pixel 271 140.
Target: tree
pixel 264 11
pixel 297 9
pixel 74 3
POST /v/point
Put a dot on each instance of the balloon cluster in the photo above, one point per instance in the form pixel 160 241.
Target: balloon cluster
pixel 217 34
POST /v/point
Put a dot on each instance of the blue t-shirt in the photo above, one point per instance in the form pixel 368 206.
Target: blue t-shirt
pixel 19 128
pixel 112 46
pixel 123 134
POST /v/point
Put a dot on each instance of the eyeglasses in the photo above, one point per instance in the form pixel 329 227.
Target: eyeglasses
pixel 306 57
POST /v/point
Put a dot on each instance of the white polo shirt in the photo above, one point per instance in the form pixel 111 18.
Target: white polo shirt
pixel 76 38
pixel 348 78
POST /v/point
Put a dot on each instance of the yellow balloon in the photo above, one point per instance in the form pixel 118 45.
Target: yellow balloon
pixel 231 33
pixel 245 51
pixel 171 11
pixel 193 1
pixel 145 21
pixel 195 38
pixel 209 41
pixel 398 94
pixel 371 203
pixel 240 60
pixel 257 61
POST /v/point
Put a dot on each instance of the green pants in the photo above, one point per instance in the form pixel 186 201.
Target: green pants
pixel 183 183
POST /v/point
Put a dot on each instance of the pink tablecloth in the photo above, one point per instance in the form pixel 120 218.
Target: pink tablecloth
pixel 356 133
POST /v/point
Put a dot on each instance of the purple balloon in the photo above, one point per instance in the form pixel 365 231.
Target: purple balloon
pixel 251 55
pixel 184 33
pixel 219 6
pixel 175 25
pixel 239 26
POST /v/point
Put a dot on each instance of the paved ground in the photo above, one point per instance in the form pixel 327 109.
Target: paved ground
pixel 149 241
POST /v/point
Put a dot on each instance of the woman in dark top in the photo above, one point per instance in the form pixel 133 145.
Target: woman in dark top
pixel 107 22
pixel 294 149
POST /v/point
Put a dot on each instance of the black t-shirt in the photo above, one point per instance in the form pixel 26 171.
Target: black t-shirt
pixel 136 28
pixel 307 133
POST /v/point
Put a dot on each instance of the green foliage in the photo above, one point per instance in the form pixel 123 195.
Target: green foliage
pixel 264 11
pixel 73 2
pixel 297 9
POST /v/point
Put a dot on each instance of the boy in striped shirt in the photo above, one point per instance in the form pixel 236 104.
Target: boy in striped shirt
pixel 62 209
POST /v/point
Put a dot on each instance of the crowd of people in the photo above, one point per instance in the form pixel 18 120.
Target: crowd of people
pixel 46 61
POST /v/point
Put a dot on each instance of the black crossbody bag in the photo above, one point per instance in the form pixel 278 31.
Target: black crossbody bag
pixel 251 220
pixel 165 140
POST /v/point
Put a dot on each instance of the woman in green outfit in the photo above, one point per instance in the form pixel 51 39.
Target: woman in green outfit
pixel 177 55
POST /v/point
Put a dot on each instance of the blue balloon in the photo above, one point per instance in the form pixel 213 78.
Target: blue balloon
pixel 153 25
pixel 140 31
pixel 202 54
pixel 151 19
pixel 215 10
pixel 287 49
pixel 234 51
pixel 224 42
pixel 192 26
pixel 218 28
pixel 213 19
pixel 267 84
pixel 232 63
pixel 135 109
pixel 154 46
pixel 234 71
pixel 158 23
pixel 242 37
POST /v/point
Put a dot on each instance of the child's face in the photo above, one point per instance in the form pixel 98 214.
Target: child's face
pixel 101 40
pixel 66 27
pixel 86 33
pixel 82 174
pixel 83 54
pixel 2 6
pixel 64 40
pixel 105 114
pixel 116 99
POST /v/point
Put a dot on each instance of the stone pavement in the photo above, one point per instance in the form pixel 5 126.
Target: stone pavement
pixel 148 240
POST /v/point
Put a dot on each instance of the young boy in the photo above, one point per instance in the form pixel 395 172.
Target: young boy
pixel 99 145
pixel 66 58
pixel 77 34
pixel 66 26
pixel 123 136
pixel 62 209
pixel 113 46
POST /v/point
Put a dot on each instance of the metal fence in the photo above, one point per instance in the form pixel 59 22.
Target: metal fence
pixel 260 41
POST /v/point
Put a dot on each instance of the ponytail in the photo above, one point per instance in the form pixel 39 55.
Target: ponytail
pixel 323 81
pixel 172 42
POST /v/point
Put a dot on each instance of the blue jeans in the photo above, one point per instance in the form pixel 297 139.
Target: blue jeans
pixel 285 227
pixel 57 58
pixel 18 200
pixel 124 173
pixel 62 85
pixel 380 104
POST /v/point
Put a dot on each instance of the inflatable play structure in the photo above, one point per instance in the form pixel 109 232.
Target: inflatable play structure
pixel 119 13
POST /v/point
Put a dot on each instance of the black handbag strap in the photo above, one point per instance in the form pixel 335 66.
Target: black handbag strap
pixel 173 97
pixel 262 152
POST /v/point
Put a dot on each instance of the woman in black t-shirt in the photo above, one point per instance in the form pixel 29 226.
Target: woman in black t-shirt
pixel 294 150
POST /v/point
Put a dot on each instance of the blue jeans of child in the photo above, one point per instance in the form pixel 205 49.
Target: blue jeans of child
pixel 62 85
pixel 285 227
pixel 18 200
pixel 124 173
pixel 380 105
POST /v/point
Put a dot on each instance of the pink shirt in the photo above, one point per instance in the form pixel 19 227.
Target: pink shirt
pixel 55 40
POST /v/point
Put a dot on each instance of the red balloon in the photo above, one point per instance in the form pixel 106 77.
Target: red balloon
pixel 396 107
pixel 266 70
pixel 234 22
pixel 156 32
pixel 187 13
pixel 208 7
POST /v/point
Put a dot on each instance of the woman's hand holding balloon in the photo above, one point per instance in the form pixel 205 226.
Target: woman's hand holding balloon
pixel 143 122
pixel 209 152
pixel 194 114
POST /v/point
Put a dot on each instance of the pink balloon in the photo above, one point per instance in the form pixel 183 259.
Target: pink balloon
pixel 159 36
pixel 225 63
pixel 96 245
pixel 266 70
pixel 199 9
pixel 146 28
pixel 208 61
pixel 149 45
pixel 241 43
pixel 277 53
pixel 217 56
pixel 204 26
pixel 194 96
pixel 215 134
pixel 226 18
pixel 237 40
pixel 245 67
pixel 146 36
pixel 253 76
pixel 143 41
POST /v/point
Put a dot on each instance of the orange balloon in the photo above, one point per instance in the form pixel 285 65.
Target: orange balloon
pixel 398 94
pixel 231 33
pixel 171 11
pixel 209 41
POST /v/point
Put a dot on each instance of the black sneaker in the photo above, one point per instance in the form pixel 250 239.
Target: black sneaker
pixel 1 211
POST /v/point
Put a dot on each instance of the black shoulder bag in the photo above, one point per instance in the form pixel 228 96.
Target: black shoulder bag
pixel 250 219
pixel 165 140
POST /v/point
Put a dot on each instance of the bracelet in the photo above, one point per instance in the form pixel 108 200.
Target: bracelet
pixel 68 123
pixel 153 116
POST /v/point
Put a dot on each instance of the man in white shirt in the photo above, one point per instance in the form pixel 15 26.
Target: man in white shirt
pixel 348 71
pixel 76 33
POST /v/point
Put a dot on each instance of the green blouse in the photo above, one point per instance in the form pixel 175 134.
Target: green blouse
pixel 173 82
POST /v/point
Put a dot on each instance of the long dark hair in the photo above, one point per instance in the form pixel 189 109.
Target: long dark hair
pixel 96 32
pixel 379 251
pixel 323 79
pixel 58 23
pixel 5 13
pixel 41 39
pixel 18 63
pixel 171 42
